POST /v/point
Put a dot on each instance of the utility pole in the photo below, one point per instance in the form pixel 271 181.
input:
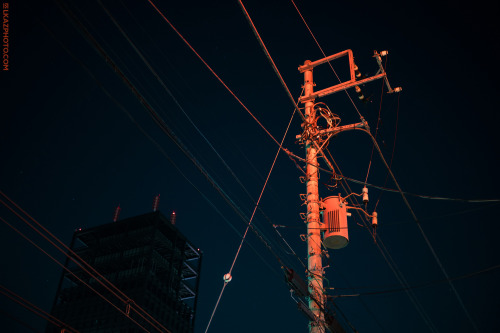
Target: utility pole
pixel 314 139
pixel 314 261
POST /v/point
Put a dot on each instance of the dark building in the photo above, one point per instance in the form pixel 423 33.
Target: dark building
pixel 145 257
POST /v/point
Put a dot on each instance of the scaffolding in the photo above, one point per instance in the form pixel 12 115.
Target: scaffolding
pixel 148 259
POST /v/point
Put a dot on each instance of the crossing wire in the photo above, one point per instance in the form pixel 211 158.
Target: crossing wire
pixel 386 255
pixel 422 285
pixel 212 71
pixel 162 83
pixel 324 55
pixel 35 309
pixel 251 218
pixel 59 263
pixel 275 68
pixel 159 121
pixel 424 235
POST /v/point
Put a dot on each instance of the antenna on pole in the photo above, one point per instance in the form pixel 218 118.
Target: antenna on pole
pixel 173 218
pixel 156 202
pixel 117 213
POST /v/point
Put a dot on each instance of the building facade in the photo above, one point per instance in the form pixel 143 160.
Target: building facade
pixel 146 258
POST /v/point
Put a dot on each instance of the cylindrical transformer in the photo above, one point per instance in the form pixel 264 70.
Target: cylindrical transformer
pixel 335 220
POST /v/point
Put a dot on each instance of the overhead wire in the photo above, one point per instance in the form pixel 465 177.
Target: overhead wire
pixel 65 268
pixel 424 285
pixel 166 129
pixel 378 121
pixel 154 142
pixel 392 153
pixel 293 157
pixel 252 216
pixel 18 320
pixel 271 61
pixel 426 239
pixel 386 255
pixel 409 207
pixel 212 71
pixel 159 79
pixel 275 68
pixel 324 55
pixel 71 255
pixel 163 126
pixel 35 309
pixel 392 265
pixel 217 76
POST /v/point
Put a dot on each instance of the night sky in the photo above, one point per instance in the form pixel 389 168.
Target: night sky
pixel 75 143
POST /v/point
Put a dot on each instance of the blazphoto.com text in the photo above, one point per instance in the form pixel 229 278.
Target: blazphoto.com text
pixel 5 36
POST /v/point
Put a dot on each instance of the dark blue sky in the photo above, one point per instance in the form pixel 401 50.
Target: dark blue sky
pixel 70 154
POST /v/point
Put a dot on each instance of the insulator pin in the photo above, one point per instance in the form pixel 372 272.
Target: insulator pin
pixel 365 194
pixel 374 220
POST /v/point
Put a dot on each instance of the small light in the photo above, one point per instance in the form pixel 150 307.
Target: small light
pixel 384 53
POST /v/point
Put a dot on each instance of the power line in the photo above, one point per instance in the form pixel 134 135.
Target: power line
pixel 251 218
pixel 423 285
pixel 428 243
pixel 35 309
pixel 356 181
pixel 392 153
pixel 411 211
pixel 87 268
pixel 324 55
pixel 19 321
pixel 150 67
pixel 213 72
pixel 385 254
pixel 154 142
pixel 378 123
pixel 64 267
pixel 159 121
pixel 268 55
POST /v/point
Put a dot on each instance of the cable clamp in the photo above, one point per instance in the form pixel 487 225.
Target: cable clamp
pixel 129 306
pixel 227 277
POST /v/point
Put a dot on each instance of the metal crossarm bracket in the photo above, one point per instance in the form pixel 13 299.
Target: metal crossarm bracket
pixel 347 84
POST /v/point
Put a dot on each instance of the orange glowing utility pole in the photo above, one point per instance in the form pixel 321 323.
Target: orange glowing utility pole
pixel 314 261
pixel 314 139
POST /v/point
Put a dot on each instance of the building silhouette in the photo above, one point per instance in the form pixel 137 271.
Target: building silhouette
pixel 149 260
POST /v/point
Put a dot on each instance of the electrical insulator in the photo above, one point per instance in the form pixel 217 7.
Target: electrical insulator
pixel 360 93
pixel 398 89
pixel 365 195
pixel 227 278
pixel 374 220
pixel 384 53
pixel 357 72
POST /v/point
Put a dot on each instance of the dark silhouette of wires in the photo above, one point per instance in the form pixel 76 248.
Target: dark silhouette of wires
pixel 35 309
